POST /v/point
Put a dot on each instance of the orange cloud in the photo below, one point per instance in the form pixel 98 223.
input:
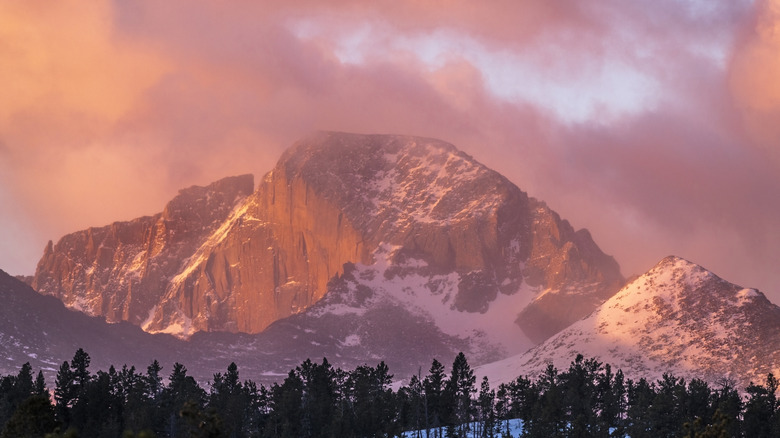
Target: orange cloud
pixel 755 70
pixel 68 80
pixel 63 56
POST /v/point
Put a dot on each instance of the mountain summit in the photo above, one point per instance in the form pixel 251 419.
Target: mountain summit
pixel 224 258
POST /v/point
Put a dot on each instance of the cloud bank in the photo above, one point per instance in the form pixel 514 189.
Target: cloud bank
pixel 653 125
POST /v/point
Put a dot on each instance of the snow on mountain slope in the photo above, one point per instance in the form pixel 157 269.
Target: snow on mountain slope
pixel 409 285
pixel 678 318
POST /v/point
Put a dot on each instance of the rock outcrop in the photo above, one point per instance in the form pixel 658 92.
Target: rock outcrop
pixel 332 199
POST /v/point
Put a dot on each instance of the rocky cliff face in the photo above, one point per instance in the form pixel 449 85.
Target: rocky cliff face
pixel 120 271
pixel 677 318
pixel 335 199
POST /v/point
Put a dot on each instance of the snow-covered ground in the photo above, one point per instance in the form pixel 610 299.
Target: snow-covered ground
pixel 515 430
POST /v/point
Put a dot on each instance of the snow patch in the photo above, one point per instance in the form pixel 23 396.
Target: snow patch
pixel 239 213
pixel 338 310
pixel 181 326
pixel 351 341
pixel 416 184
pixel 746 295
pixel 137 264
pixel 82 304
pixel 431 296
pixel 149 319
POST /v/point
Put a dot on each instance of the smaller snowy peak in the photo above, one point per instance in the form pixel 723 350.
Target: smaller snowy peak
pixel 684 284
pixel 674 269
pixel 678 318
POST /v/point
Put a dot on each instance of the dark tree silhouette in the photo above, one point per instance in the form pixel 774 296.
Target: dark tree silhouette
pixel 318 400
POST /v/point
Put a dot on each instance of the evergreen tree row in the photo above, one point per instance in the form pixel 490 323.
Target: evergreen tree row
pixel 318 400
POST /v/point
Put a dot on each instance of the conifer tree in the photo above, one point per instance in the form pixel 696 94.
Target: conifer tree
pixel 182 390
pixel 433 385
pixel 579 390
pixel 39 388
pixel 319 397
pixel 14 390
pixel 698 402
pixel 79 366
pixel 72 381
pixel 459 389
pixel 667 410
pixel 64 393
pixel 486 400
pixel 98 410
pixel 139 413
pixel 372 400
pixel 640 397
pixel 761 408
pixel 34 417
pixel 727 401
pixel 523 396
pixel 287 408
pixel 548 416
pixel 24 386
pixel 153 379
pixel 610 402
pixel 6 408
pixel 227 399
pixel 413 405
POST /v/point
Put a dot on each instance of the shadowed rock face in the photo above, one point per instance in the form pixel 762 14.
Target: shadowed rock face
pixel 577 276
pixel 221 259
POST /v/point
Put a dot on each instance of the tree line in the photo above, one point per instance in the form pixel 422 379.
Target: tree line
pixel 588 399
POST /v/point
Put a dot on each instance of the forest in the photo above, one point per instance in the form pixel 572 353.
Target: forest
pixel 589 399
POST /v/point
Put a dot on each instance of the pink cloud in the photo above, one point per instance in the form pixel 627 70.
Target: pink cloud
pixel 152 97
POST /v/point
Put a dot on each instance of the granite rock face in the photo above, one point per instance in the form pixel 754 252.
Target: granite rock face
pixel 119 271
pixel 224 258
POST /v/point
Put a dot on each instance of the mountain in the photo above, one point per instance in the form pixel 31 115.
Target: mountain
pixel 40 330
pixel 677 318
pixel 373 225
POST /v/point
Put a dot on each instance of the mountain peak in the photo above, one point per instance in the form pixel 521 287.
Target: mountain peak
pixel 677 279
pixel 402 179
pixel 677 263
pixel 224 258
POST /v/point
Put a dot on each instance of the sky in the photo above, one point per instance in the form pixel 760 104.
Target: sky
pixel 652 124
